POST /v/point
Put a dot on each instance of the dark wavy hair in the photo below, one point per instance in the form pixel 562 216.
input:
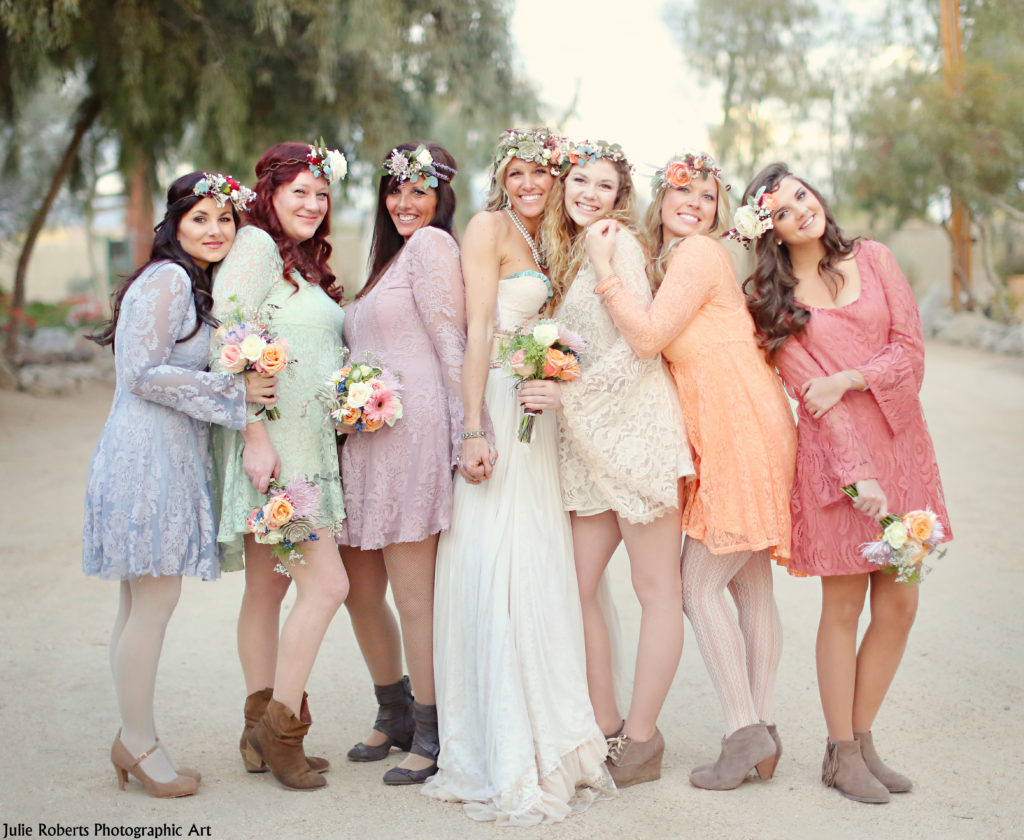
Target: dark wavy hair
pixel 279 165
pixel 387 241
pixel 770 298
pixel 180 200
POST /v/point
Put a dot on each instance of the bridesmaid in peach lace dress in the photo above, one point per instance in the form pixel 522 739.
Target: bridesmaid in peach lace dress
pixel 842 325
pixel 736 509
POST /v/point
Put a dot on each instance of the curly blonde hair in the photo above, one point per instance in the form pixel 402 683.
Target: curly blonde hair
pixel 563 238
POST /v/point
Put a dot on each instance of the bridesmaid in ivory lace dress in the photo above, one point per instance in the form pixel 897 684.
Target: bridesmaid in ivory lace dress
pixel 736 509
pixel 278 268
pixel 519 743
pixel 843 329
pixel 411 318
pixel 148 509
pixel 622 451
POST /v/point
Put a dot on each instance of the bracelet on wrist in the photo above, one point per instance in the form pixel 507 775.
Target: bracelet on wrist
pixel 853 382
pixel 609 286
pixel 473 434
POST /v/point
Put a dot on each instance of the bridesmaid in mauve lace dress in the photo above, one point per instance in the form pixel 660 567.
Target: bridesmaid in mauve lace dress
pixel 622 451
pixel 410 317
pixel 842 325
pixel 148 510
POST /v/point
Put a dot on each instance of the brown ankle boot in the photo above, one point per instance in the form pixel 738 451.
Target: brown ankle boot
pixel 255 706
pixel 845 770
pixel 632 762
pixel 748 747
pixel 277 740
pixel 894 782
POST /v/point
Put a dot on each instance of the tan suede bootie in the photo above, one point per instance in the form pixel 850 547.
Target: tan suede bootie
pixel 632 762
pixel 277 740
pixel 894 782
pixel 255 706
pixel 845 770
pixel 747 748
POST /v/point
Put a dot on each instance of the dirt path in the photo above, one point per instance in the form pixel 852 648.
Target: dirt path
pixel 954 720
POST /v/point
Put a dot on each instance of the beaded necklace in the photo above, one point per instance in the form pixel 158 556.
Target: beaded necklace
pixel 538 255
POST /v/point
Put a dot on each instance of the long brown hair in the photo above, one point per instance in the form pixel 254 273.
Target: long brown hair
pixel 770 289
pixel 279 165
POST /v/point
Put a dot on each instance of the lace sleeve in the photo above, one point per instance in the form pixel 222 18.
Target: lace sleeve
pixel 690 281
pixel 159 310
pixel 242 282
pixel 844 451
pixel 440 299
pixel 895 373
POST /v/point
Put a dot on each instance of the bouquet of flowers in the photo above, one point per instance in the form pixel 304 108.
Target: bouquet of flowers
pixel 548 351
pixel 362 396
pixel 287 519
pixel 249 344
pixel 904 542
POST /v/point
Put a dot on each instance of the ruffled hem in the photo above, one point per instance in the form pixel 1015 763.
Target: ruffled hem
pixel 579 779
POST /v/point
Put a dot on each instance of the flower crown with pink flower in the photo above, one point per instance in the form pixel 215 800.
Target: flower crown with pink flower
pixel 222 189
pixel 589 151
pixel 681 169
pixel 754 219
pixel 410 164
pixel 537 145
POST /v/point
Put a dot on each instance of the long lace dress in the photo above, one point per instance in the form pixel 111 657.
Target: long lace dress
pixel 251 279
pixel 398 480
pixel 519 743
pixel 739 422
pixel 878 433
pixel 148 507
pixel 622 442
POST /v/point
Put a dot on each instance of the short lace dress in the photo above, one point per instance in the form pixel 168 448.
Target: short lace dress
pixel 251 279
pixel 148 505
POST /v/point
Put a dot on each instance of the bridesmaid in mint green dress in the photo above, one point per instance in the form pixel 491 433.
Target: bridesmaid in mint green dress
pixel 279 268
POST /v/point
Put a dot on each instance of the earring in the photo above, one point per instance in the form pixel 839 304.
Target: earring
pixel 778 241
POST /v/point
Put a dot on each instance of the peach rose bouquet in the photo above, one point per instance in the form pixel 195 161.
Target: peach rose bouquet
pixel 287 519
pixel 904 543
pixel 362 397
pixel 548 351
pixel 249 344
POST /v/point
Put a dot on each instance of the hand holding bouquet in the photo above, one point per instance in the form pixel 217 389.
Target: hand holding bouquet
pixel 548 351
pixel 287 519
pixel 904 543
pixel 249 344
pixel 361 397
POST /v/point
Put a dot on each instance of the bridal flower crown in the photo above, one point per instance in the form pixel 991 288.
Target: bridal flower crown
pixel 409 165
pixel 329 164
pixel 222 189
pixel 754 219
pixel 534 145
pixel 590 151
pixel 681 169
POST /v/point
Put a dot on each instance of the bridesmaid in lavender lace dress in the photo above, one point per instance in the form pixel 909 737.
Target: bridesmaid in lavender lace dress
pixel 410 317
pixel 148 511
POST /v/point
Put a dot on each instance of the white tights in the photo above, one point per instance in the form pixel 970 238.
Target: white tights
pixel 741 651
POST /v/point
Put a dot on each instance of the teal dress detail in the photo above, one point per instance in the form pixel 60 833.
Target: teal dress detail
pixel 251 279
pixel 529 272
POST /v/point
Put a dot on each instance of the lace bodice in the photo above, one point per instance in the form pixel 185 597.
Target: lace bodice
pixel 622 440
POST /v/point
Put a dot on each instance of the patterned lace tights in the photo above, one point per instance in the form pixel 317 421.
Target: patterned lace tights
pixel 741 650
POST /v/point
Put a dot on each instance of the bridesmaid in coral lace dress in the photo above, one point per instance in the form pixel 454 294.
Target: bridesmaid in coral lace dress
pixel 843 329
pixel 622 451
pixel 736 509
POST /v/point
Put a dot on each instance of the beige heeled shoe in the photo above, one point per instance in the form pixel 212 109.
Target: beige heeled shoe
pixel 748 748
pixel 124 763
pixel 632 762
pixel 182 771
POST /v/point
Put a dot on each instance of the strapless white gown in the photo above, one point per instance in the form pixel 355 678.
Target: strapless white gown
pixel 519 743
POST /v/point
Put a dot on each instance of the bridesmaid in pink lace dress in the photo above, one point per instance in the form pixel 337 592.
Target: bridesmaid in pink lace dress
pixel 411 318
pixel 736 509
pixel 843 329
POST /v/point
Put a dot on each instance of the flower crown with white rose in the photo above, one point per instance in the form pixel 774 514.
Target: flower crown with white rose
pixel 589 151
pixel 754 219
pixel 222 189
pixel 681 169
pixel 534 145
pixel 329 164
pixel 409 165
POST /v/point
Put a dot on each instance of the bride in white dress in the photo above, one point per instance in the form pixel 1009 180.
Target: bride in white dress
pixel 519 742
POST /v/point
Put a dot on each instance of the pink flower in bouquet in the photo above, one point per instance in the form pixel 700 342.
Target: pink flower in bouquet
pixel 517 361
pixel 254 518
pixel 380 407
pixel 304 496
pixel 573 340
pixel 231 358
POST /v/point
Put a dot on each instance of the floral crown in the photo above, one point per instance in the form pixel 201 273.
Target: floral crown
pixel 532 145
pixel 409 165
pixel 681 169
pixel 329 164
pixel 589 151
pixel 754 219
pixel 222 189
